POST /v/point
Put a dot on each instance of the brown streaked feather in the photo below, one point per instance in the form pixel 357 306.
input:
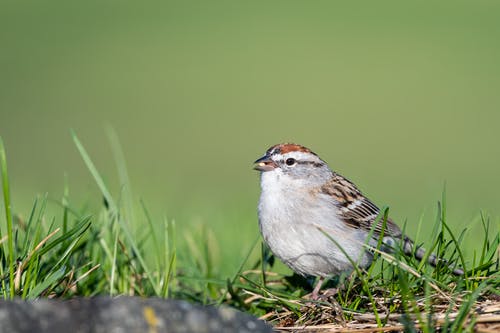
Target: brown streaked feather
pixel 356 210
pixel 360 213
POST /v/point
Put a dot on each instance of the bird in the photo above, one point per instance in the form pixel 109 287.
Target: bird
pixel 318 222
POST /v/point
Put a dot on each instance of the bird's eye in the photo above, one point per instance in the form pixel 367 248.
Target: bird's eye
pixel 290 161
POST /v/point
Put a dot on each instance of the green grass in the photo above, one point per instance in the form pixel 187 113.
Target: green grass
pixel 82 252
pixel 395 289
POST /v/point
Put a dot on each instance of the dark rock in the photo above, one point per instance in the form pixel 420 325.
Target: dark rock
pixel 123 315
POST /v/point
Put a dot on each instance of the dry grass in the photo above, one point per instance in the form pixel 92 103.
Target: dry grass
pixel 485 318
pixel 440 310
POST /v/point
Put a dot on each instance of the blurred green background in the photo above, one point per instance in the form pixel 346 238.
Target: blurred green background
pixel 400 98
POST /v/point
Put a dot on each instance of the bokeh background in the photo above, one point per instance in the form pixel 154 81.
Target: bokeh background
pixel 400 98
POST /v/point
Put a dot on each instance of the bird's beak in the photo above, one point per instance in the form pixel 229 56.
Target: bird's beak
pixel 265 163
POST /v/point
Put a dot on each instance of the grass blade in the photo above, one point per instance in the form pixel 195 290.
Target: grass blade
pixel 8 216
pixel 114 210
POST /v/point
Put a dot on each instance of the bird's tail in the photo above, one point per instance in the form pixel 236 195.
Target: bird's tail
pixel 409 248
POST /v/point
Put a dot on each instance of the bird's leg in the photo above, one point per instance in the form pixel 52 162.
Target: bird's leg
pixel 317 288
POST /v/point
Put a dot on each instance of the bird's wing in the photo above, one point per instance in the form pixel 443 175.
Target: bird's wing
pixel 355 209
pixel 360 213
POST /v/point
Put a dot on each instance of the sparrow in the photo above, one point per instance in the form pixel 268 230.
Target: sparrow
pixel 318 222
